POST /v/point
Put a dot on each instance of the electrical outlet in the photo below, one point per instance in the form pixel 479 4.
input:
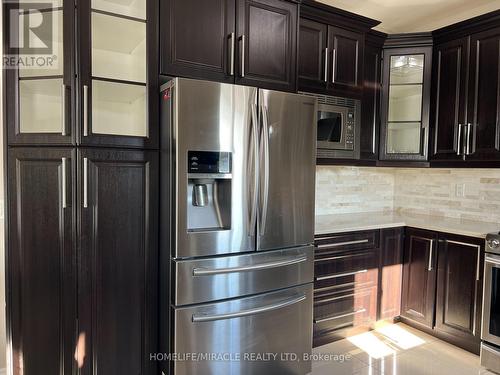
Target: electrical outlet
pixel 460 190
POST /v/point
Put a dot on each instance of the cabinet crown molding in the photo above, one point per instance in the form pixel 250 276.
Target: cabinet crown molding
pixel 423 39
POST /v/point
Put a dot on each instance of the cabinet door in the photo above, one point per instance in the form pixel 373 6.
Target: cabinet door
pixel 117 283
pixel 118 65
pixel 483 134
pixel 347 60
pixel 267 43
pixel 41 260
pixel 39 97
pixel 419 276
pixel 391 271
pixel 370 110
pixel 450 72
pixel 198 39
pixel 313 55
pixel 459 289
pixel 404 131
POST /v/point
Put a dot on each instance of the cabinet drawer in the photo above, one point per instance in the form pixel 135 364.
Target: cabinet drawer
pixel 327 244
pixel 346 311
pixel 331 268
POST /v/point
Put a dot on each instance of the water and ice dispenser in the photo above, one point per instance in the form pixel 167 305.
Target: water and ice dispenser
pixel 209 190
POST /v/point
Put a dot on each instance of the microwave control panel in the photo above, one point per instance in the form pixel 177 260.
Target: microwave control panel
pixel 350 133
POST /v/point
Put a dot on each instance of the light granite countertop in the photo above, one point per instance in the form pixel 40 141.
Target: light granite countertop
pixel 326 224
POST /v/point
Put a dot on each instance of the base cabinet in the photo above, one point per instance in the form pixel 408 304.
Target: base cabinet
pixel 442 286
pixel 357 282
pixel 459 290
pixel 419 276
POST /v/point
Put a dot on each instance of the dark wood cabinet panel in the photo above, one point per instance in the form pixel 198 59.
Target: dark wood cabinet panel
pixel 313 55
pixel 347 59
pixel 198 39
pixel 391 271
pixel 459 289
pixel 370 109
pixel 267 43
pixel 41 253
pixel 419 276
pixel 449 95
pixel 118 260
pixel 484 99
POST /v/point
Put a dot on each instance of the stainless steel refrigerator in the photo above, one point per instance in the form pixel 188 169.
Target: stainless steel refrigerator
pixel 238 226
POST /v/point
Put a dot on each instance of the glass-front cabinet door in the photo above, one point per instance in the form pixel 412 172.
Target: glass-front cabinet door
pixel 405 111
pixel 119 74
pixel 38 65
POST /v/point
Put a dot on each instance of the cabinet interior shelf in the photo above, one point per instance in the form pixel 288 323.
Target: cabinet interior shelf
pixel 130 9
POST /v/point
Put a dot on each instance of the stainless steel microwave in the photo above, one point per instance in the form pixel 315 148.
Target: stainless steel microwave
pixel 338 127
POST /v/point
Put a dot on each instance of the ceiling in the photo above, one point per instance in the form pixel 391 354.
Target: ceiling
pixel 406 16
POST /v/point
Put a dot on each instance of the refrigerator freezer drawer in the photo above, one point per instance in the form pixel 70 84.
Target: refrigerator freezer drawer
pixel 205 280
pixel 269 324
pixel 490 357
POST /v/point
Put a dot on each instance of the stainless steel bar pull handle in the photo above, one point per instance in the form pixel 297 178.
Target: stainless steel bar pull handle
pixel 85 182
pixel 85 110
pixel 337 275
pixel 255 193
pixel 64 187
pixel 338 244
pixel 265 193
pixel 242 40
pixel 320 320
pixel 254 267
pixel 63 109
pixel 469 127
pixel 334 63
pixel 326 64
pixel 478 265
pixel 199 318
pixel 231 63
pixel 459 140
pixel 431 252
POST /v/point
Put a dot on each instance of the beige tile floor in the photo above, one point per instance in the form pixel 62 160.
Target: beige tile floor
pixel 394 349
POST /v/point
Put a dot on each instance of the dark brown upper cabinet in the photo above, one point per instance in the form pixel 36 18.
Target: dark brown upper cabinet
pixel 404 131
pixel 39 100
pixel 466 104
pixel 198 39
pixel 449 94
pixel 347 59
pixel 267 43
pixel 372 87
pixel 331 48
pixel 482 131
pixel 313 59
pixel 118 89
pixel 419 276
pixel 118 258
pixel 41 260
pixel 249 42
pixel 459 289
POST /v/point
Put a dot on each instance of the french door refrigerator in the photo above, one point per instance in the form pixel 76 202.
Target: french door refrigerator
pixel 238 186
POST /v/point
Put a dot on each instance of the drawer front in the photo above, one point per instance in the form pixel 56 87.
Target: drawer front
pixel 334 269
pixel 254 324
pixel 211 279
pixel 326 244
pixel 333 313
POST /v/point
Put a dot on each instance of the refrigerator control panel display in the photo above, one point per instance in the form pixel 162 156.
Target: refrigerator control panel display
pixel 209 162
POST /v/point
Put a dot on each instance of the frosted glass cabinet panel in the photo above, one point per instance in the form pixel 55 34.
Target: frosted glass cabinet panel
pixel 405 106
pixel 130 8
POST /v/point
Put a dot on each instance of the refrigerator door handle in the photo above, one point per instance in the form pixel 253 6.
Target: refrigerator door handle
pixel 243 313
pixel 265 192
pixel 255 196
pixel 255 267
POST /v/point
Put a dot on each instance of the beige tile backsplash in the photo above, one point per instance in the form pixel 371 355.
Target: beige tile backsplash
pixel 460 193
